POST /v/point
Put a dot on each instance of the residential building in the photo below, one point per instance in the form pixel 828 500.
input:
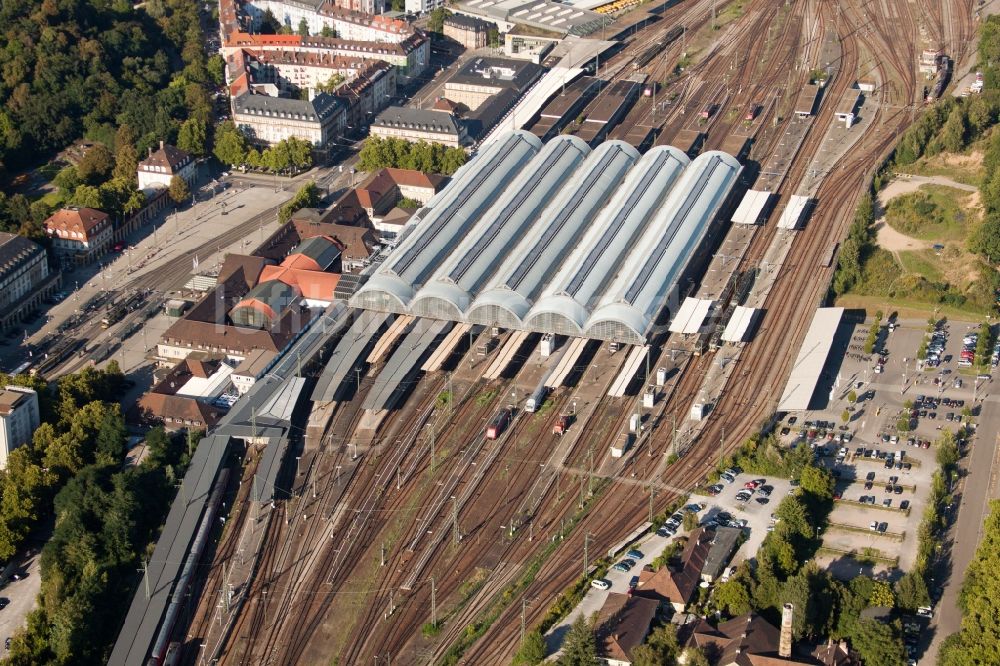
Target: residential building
pixel 193 394
pixel 19 419
pixel 361 26
pixel 25 279
pixel 409 57
pixel 750 640
pixel 423 6
pixel 420 125
pixel 678 585
pixel 622 625
pixel 469 31
pixel 383 189
pixel 346 223
pixel 158 169
pixel 79 235
pixel 723 545
pixel 251 369
pixel 368 93
pixel 268 120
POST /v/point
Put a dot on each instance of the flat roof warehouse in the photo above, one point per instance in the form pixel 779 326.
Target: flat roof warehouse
pixel 556 238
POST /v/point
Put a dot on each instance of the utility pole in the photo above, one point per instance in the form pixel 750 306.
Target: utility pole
pixel 451 396
pixel 454 520
pixel 590 483
pixel 524 603
pixel 398 479
pixel 652 494
pixel 432 447
pixel 145 576
pixel 673 433
pixel 586 547
pixel 383 555
pixel 722 445
pixel 433 604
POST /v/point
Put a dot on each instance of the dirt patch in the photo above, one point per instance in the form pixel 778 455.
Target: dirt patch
pixel 893 241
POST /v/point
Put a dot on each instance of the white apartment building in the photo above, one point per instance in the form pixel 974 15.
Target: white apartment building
pixel 423 6
pixel 19 419
pixel 420 125
pixel 269 120
pixel 156 171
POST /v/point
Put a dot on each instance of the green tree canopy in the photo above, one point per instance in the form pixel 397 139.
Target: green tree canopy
pixel 178 190
pixel 580 645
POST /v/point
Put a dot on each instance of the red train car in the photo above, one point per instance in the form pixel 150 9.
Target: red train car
pixel 499 423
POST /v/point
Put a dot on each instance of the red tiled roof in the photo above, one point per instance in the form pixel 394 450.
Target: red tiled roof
pixel 79 220
pixel 168 157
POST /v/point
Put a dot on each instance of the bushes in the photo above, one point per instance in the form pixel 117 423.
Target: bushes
pixel 306 197
pixel 763 454
pixel 379 153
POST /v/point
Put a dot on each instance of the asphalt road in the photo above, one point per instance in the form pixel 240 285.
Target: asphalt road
pixel 976 488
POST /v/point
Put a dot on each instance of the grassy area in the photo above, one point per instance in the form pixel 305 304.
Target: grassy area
pixel 935 213
pixel 923 262
pixel 959 168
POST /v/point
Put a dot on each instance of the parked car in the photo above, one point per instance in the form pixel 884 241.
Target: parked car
pixel 635 554
pixel 601 584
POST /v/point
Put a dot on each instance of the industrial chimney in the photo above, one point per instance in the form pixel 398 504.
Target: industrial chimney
pixel 785 642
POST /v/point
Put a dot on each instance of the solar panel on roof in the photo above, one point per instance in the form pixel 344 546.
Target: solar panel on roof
pixel 501 220
pixel 420 244
pixel 616 225
pixel 560 220
pixel 668 236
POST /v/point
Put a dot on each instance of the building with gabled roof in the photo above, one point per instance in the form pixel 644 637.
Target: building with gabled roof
pixel 158 169
pixel 188 395
pixel 677 585
pixel 25 278
pixel 269 120
pixel 79 235
pixel 380 191
pixel 622 625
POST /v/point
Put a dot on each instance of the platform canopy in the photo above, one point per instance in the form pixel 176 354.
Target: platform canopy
pixel 740 324
pixel 810 361
pixel 791 217
pixel 690 316
pixel 751 207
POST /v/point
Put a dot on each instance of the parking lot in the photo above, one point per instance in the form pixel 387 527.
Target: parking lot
pixel 889 387
pixel 757 515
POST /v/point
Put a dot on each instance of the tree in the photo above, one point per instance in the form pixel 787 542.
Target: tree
pixel 111 437
pixel 845 416
pixel 192 136
pixel 733 597
pixel 690 521
pixel 306 197
pixel 693 656
pixel 328 30
pixel 817 482
pixel 580 646
pixel 532 651
pixel 911 592
pixel 230 144
pixel 96 164
pixel 979 602
pixel 87 196
pixel 435 22
pixel 660 647
pixel 947 450
pixel 331 83
pixel 878 643
pixel 269 24
pixel 852 397
pixel 303 29
pixel 67 180
pixel 179 191
pixel 126 158
pixel 882 594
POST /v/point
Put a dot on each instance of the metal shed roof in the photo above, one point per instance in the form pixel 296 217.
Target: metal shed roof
pixel 450 292
pixel 690 316
pixel 663 251
pixel 509 295
pixel 792 215
pixel 751 207
pixel 738 328
pixel 567 302
pixel 454 213
pixel 810 361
